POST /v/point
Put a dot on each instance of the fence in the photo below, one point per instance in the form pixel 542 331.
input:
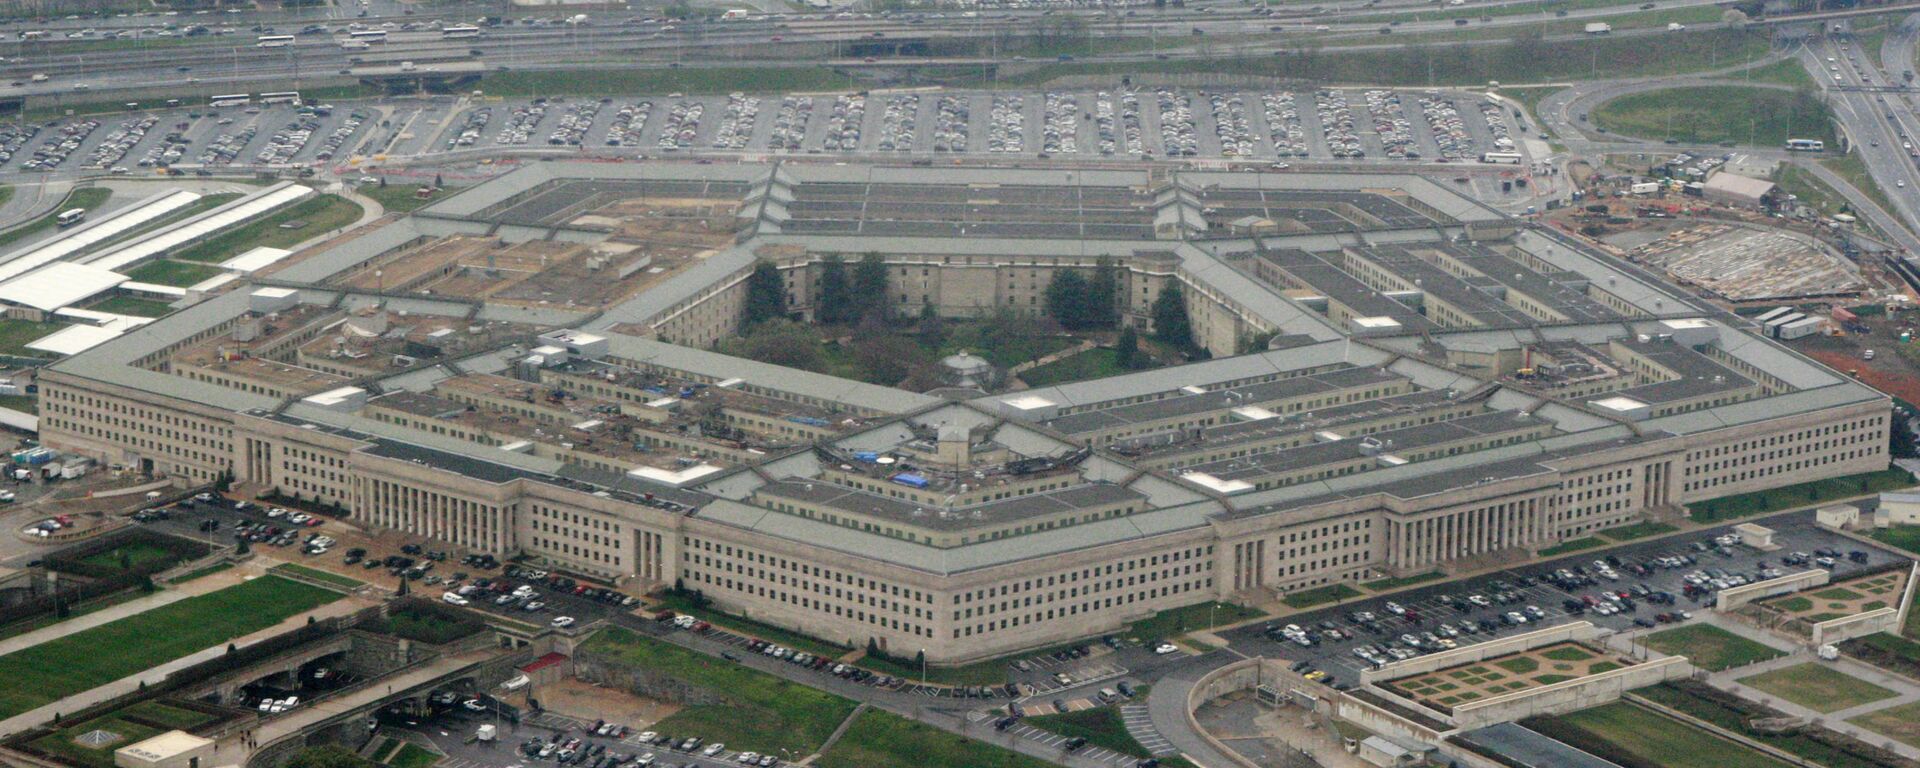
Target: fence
pixel 1578 631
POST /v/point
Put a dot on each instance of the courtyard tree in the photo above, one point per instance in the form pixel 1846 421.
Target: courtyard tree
pixel 870 287
pixel 1170 322
pixel 1069 299
pixel 835 300
pixel 1103 293
pixel 766 293
pixel 1127 349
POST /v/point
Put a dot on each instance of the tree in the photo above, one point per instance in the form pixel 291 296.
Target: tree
pixel 889 358
pixel 780 342
pixel 1103 294
pixel 870 287
pixel 836 293
pixel 1170 322
pixel 1900 437
pixel 766 293
pixel 873 648
pixel 932 328
pixel 1127 349
pixel 1068 299
pixel 126 560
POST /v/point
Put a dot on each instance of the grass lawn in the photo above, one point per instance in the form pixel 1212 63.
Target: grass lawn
pixel 65 744
pixel 413 756
pixel 328 577
pixel 1752 116
pixel 1655 740
pixel 1709 647
pixel 1906 537
pixel 1810 190
pixel 1817 687
pixel 16 333
pixel 1901 723
pixel 1180 621
pixel 130 305
pixel 1802 743
pixel 84 660
pixel 1381 585
pixel 1853 168
pixel 1637 531
pixel 22 403
pixel 1802 495
pixel 398 197
pixel 131 556
pixel 319 215
pixel 1320 596
pixel 763 714
pixel 166 714
pixel 1096 363
pixel 179 274
pixel 1786 71
pixel 885 740
pixel 207 571
pixel 88 198
pixel 1573 546
pixel 746 626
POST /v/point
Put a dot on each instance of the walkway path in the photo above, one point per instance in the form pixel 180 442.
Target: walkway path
pixel 200 586
pixel 1908 691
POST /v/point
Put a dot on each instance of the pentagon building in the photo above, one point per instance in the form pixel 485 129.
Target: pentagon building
pixel 1401 380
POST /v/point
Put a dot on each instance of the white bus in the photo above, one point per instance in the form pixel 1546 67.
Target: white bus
pixel 1504 158
pixel 71 217
pixel 275 41
pixel 369 35
pixel 459 31
pixel 281 97
pixel 231 100
pixel 1806 145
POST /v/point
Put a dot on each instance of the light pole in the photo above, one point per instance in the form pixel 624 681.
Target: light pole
pixel 923 667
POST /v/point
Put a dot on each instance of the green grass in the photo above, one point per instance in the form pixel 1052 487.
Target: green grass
pixel 763 714
pixel 884 740
pixel 84 660
pixel 1419 65
pixel 1813 192
pixel 195 574
pixel 1096 363
pixel 169 715
pixel 1568 653
pixel 1709 647
pixel 22 403
pixel 64 743
pixel 1853 168
pixel 132 305
pixel 180 274
pixel 1637 531
pixel 1799 742
pixel 1573 546
pixel 1901 723
pixel 319 214
pixel 1906 537
pixel 691 80
pixel 1657 740
pixel 315 574
pixel 413 756
pixel 1179 621
pixel 89 198
pixel 1817 687
pixel 768 632
pixel 1788 71
pixel 398 198
pixel 1752 116
pixel 1320 596
pixel 1794 605
pixel 16 333
pixel 132 556
pixel 1518 665
pixel 1382 585
pixel 1801 495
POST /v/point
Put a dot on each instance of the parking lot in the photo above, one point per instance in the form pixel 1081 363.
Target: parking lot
pixel 1528 593
pixel 1271 126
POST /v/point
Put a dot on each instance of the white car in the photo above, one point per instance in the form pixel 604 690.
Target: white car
pixel 1166 648
pixel 714 749
pixel 454 598
pixel 563 621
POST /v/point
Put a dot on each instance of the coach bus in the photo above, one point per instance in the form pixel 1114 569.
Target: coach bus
pixel 1806 145
pixel 369 35
pixel 281 97
pixel 460 31
pixel 231 100
pixel 71 217
pixel 275 41
pixel 1504 158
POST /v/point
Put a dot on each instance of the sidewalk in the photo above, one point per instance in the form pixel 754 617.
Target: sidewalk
pixel 1908 692
pixel 200 586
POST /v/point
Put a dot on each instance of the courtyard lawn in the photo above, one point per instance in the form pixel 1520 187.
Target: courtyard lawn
pixel 1320 596
pixel 1906 537
pixel 763 713
pixel 1818 687
pixel 84 660
pixel 1382 585
pixel 179 274
pixel 1179 621
pixel 884 740
pixel 129 305
pixel 1901 723
pixel 1574 545
pixel 1794 496
pixel 1097 363
pixel 399 198
pixel 1621 730
pixel 1637 531
pixel 129 557
pixel 807 644
pixel 1709 647
pixel 317 216
pixel 16 333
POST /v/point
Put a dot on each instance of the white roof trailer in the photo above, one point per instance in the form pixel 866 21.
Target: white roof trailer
pixel 1805 326
pixel 1773 326
pixel 1772 314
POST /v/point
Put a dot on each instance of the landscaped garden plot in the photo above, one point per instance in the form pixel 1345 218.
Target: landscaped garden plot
pixel 1817 687
pixel 1546 665
pixel 1709 647
pixel 1847 598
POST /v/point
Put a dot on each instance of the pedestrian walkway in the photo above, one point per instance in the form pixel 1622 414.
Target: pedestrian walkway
pixel 1139 724
pixel 1908 691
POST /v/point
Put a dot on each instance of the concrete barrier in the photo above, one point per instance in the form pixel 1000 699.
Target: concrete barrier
pixel 1735 597
pixel 1569 695
pixel 1579 632
pixel 1238 676
pixel 1383 721
pixel 1858 625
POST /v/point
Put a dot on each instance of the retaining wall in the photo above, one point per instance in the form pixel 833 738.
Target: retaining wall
pixel 1857 625
pixel 1730 599
pixel 1569 695
pixel 1579 631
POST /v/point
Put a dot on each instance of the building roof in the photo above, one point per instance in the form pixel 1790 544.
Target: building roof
pixel 1736 184
pixel 57 285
